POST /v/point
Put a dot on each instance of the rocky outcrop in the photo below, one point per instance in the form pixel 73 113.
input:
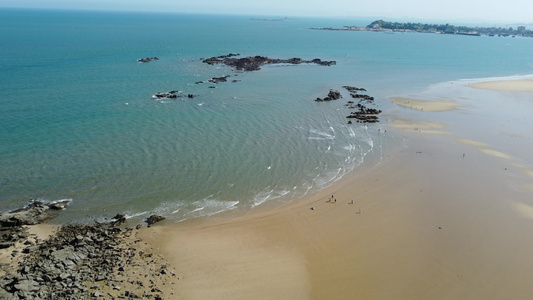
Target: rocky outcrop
pixel 254 63
pixel 166 95
pixel 363 114
pixel 217 80
pixel 36 212
pixel 154 219
pixel 332 95
pixel 78 262
pixel 147 59
pixel 95 261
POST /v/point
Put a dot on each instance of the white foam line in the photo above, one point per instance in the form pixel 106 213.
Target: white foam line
pixel 128 216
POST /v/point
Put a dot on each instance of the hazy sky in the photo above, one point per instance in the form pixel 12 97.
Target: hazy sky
pixel 497 11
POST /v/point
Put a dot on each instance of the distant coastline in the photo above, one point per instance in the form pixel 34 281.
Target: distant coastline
pixel 272 19
pixel 384 26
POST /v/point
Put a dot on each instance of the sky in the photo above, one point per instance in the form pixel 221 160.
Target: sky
pixel 472 11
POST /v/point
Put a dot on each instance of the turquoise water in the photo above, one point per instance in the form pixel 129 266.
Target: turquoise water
pixel 78 121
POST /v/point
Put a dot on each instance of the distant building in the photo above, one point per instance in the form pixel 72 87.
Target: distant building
pixel 521 29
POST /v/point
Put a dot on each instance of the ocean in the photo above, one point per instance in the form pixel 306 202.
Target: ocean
pixel 78 120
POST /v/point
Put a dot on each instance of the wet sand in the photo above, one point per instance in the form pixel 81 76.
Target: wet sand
pixel 442 217
pixel 425 224
pixel 425 105
pixel 524 85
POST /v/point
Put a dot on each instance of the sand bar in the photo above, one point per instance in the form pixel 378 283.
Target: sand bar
pixel 472 143
pixel 419 126
pixel 424 105
pixel 495 153
pixel 524 85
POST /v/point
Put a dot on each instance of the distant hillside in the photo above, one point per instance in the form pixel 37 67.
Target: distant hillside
pixel 449 29
pixel 381 25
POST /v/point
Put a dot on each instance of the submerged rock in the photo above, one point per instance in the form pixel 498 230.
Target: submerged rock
pixel 147 59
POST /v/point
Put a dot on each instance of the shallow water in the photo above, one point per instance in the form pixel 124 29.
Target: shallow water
pixel 78 120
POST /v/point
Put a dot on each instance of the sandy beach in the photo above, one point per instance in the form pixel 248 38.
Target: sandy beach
pixel 442 217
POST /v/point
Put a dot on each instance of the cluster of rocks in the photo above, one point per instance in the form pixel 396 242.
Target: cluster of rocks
pixel 79 261
pixel 250 63
pixel 363 113
pixel 169 95
pixel 216 80
pixel 147 59
pixel 254 63
pixel 332 95
pixel 12 223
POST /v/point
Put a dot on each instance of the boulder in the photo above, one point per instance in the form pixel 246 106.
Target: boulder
pixel 154 219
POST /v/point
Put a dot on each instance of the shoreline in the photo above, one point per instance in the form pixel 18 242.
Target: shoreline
pixel 428 222
pixel 402 222
pixel 432 220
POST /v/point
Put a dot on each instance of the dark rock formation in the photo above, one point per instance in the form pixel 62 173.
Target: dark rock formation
pixel 61 267
pixel 353 89
pixel 79 261
pixel 154 219
pixel 147 59
pixel 363 113
pixel 216 80
pixel 167 95
pixel 332 95
pixel 34 213
pixel 254 63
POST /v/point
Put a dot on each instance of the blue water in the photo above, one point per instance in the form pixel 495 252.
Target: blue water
pixel 78 121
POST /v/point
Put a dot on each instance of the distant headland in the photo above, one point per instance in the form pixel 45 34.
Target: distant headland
pixel 384 26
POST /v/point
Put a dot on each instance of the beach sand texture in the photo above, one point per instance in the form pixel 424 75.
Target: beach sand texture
pixel 425 105
pixel 437 219
pixel 525 85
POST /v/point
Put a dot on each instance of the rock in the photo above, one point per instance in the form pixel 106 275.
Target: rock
pixel 166 95
pixel 32 214
pixel 5 245
pixel 27 286
pixel 30 249
pixel 59 205
pixel 6 295
pixel 332 95
pixel 118 219
pixel 147 59
pixel 154 219
pixel 217 80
